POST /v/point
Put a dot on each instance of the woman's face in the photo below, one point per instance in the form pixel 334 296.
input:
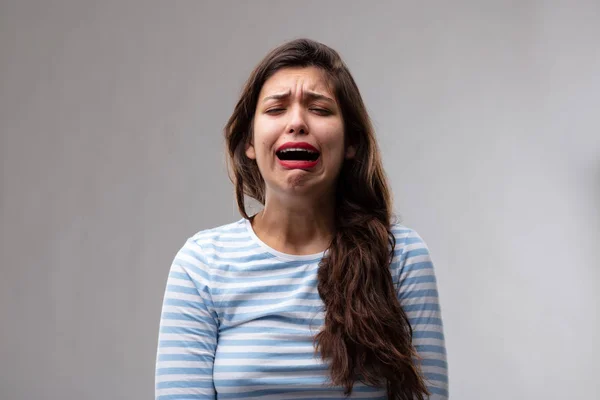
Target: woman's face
pixel 298 140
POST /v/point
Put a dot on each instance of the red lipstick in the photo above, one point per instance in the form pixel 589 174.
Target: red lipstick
pixel 287 162
pixel 297 145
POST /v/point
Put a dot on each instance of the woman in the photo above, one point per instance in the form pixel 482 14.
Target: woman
pixel 319 295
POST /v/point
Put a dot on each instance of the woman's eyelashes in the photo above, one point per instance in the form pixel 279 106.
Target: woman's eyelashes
pixel 317 110
pixel 322 111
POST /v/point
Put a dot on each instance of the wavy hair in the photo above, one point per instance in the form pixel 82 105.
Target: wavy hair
pixel 366 335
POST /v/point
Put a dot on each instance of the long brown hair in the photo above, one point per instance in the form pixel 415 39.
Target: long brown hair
pixel 366 336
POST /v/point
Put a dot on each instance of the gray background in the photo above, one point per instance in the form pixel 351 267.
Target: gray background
pixel 111 117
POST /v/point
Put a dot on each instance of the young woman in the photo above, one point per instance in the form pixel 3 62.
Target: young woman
pixel 321 294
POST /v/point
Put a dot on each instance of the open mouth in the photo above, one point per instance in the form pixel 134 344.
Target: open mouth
pixel 297 155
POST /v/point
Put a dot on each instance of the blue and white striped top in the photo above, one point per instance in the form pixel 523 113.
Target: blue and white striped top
pixel 239 317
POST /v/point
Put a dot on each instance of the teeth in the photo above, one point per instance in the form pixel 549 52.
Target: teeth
pixel 288 150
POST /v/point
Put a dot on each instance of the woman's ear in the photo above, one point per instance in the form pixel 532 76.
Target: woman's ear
pixel 250 152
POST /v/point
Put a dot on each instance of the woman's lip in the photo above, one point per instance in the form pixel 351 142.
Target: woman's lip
pixel 298 164
pixel 298 145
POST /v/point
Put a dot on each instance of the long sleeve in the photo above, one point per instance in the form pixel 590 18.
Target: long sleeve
pixel 188 330
pixel 418 297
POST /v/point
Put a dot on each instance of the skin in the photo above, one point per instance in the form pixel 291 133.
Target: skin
pixel 298 217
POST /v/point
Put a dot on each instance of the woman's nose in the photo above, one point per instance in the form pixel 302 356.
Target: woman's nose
pixel 297 122
pixel 300 130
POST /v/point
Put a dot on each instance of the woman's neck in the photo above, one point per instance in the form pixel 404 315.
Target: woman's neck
pixel 299 228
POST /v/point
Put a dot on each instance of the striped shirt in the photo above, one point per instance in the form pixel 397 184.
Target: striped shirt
pixel 239 318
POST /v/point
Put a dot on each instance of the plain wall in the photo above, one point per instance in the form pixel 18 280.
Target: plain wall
pixel 111 118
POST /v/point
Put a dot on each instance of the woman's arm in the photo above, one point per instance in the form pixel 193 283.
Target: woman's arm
pixel 188 330
pixel 418 296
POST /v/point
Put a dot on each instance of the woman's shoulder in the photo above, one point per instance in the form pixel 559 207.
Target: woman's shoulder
pixel 232 229
pixel 409 243
pixel 404 235
pixel 206 244
pixel 410 253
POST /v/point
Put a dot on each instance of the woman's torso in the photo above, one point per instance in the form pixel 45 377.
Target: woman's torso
pixel 268 311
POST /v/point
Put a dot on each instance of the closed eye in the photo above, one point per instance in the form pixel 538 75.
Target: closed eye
pixel 321 110
pixel 318 110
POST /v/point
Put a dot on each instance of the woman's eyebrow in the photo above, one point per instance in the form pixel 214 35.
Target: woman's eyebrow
pixel 310 95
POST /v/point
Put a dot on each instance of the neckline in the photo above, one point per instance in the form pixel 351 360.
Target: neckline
pixel 279 254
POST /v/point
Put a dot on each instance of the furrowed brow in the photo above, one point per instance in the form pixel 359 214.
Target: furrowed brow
pixel 309 95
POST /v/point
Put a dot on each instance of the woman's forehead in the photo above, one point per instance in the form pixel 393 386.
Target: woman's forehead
pixel 310 79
